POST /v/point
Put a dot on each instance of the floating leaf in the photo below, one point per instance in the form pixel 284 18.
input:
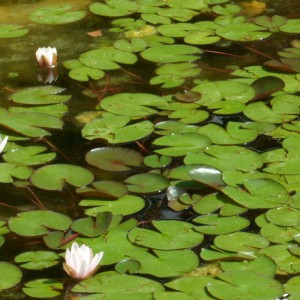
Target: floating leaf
pixel 28 156
pixel 12 31
pixel 8 171
pixel 56 14
pixel 215 225
pixel 134 105
pixel 115 130
pixel 35 223
pixel 147 183
pixel 126 205
pixel 246 285
pixel 130 266
pixel 241 242
pixel 114 158
pixel 170 235
pixel 29 123
pixel 11 277
pixel 107 58
pixel 40 95
pixel 171 54
pixel 90 227
pixel 155 161
pixel 37 260
pixel 112 283
pixel 291 26
pixel 53 177
pixel 181 144
pixel 42 288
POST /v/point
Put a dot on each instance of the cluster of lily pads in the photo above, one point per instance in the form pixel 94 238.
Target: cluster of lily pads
pixel 222 155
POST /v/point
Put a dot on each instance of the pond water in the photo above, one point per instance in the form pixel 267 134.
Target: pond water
pixel 167 136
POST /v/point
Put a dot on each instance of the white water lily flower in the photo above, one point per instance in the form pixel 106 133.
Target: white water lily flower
pixel 46 57
pixel 3 143
pixel 81 262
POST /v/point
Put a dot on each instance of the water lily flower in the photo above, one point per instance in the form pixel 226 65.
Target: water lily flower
pixel 3 143
pixel 81 262
pixel 46 57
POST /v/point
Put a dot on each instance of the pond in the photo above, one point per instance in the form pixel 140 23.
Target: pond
pixel 164 139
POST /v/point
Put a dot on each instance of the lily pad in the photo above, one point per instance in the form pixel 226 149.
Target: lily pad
pixel 107 58
pixel 133 105
pixel 171 53
pixel 241 242
pixel 246 285
pixel 126 205
pixel 11 277
pixel 40 95
pixel 182 144
pixel 9 171
pixel 37 260
pixel 113 283
pixel 114 158
pixel 42 288
pixel 12 31
pixel 170 235
pixel 29 156
pixel 147 183
pixel 53 177
pixel 36 223
pixel 215 225
pixel 115 129
pixel 56 14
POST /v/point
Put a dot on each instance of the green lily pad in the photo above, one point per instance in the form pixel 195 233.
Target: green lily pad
pixel 292 287
pixel 226 158
pixel 130 266
pixel 29 156
pixel 133 105
pixel 192 288
pixel 215 225
pixel 134 45
pixel 90 227
pixel 171 53
pixel 113 9
pixel 114 158
pixel 262 264
pixel 53 177
pixel 213 92
pixel 84 73
pixel 234 133
pixel 11 277
pixel 36 223
pixel 271 22
pixel 241 242
pixel 287 263
pixel 170 235
pixel 37 260
pixel 147 183
pixel 56 14
pixel 246 285
pixel 291 26
pixel 9 171
pixel 181 144
pixel 284 216
pixel 104 188
pixel 107 58
pixel 56 110
pixel 42 288
pixel 258 193
pixel 156 161
pixel 115 130
pixel 29 123
pixel 112 283
pixel 40 95
pixel 163 263
pixel 126 205
pixel 178 29
pixel 218 201
pixel 12 31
